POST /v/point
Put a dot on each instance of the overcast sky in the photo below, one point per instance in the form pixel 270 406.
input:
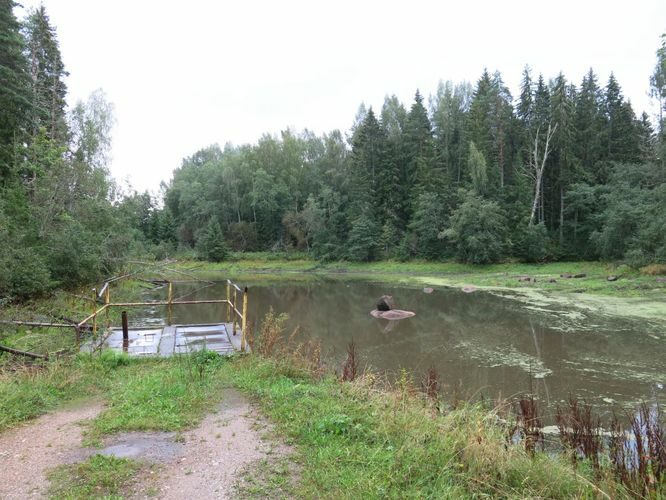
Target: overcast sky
pixel 183 75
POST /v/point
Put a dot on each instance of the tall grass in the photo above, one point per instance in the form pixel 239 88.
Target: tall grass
pixel 364 439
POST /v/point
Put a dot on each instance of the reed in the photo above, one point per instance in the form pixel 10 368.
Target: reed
pixel 350 366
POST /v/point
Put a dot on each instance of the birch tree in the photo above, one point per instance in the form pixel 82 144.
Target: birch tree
pixel 537 166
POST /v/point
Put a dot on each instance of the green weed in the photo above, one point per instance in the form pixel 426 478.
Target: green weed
pixel 357 441
pixel 98 477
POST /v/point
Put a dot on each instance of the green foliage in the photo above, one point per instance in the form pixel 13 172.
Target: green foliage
pixel 100 476
pixel 427 224
pixel 363 239
pixel 211 245
pixel 15 101
pixel 478 169
pixel 532 243
pixel 478 231
pixel 633 224
pixel 358 442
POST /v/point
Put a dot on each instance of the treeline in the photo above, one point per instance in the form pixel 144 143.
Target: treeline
pixel 563 171
pixel 62 221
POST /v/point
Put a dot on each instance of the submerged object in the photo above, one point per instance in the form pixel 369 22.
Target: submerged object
pixel 392 315
pixel 385 309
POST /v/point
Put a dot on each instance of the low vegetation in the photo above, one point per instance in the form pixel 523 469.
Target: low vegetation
pixel 360 438
pixel 98 477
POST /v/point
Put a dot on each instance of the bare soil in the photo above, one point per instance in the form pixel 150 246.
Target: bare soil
pixel 215 454
pixel 28 452
pixel 206 462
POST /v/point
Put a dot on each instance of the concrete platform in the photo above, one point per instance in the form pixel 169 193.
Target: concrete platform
pixel 177 339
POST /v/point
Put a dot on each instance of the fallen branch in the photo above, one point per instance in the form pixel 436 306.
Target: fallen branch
pixel 24 353
pixel 36 323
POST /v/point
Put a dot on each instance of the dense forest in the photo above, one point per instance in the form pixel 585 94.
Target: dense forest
pixel 472 173
pixel 560 172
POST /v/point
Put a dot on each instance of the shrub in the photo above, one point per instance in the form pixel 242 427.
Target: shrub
pixel 478 230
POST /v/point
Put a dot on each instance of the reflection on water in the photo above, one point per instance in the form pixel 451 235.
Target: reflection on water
pixel 484 343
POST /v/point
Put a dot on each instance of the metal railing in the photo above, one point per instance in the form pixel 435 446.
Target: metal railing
pixel 233 316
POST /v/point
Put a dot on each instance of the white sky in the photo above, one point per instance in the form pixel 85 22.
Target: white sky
pixel 183 75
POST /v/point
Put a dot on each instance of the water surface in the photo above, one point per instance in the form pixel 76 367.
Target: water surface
pixel 481 344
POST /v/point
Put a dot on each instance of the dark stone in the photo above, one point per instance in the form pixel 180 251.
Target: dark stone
pixel 524 278
pixel 385 303
pixel 611 278
pixel 579 275
pixel 552 280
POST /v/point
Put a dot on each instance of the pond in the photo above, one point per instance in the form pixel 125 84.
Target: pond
pixel 481 344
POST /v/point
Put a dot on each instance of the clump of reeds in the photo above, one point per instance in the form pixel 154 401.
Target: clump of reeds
pixel 638 458
pixel 350 366
pixel 272 333
pixel 580 431
pixel 430 384
pixel 529 424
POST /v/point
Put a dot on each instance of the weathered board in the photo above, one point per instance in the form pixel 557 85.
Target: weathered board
pixel 178 339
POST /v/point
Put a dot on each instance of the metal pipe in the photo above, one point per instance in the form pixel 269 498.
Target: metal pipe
pixel 169 308
pixel 123 315
pixel 228 301
pixel 233 324
pixel 94 315
pixel 244 321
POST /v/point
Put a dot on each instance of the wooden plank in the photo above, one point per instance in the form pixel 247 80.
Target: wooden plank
pixel 167 345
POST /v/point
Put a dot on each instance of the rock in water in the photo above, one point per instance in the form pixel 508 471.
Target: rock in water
pixel 392 315
pixel 469 289
pixel 611 278
pixel 428 290
pixel 385 303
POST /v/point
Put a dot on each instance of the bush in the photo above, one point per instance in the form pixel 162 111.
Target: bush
pixel 211 245
pixel 23 273
pixel 532 244
pixel 478 231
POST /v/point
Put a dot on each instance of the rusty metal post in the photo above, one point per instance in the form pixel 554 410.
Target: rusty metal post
pixel 170 300
pixel 244 321
pixel 107 301
pixel 233 314
pixel 228 301
pixel 94 318
pixel 125 331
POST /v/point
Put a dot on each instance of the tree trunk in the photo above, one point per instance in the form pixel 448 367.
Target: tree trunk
pixel 539 166
pixel 561 216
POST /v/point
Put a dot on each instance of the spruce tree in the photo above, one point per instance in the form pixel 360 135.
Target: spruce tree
pixel 15 100
pixel 589 127
pixel 47 73
pixel 421 171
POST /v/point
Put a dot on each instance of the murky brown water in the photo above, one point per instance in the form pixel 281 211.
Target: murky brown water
pixel 479 342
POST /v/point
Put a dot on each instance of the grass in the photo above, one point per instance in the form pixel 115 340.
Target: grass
pixel 352 439
pixel 168 394
pixel 358 441
pixel 142 394
pixel 631 282
pixel 268 478
pixel 98 477
pixel 60 307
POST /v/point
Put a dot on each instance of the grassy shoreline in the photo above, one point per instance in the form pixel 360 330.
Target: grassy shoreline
pixel 359 439
pixel 546 277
